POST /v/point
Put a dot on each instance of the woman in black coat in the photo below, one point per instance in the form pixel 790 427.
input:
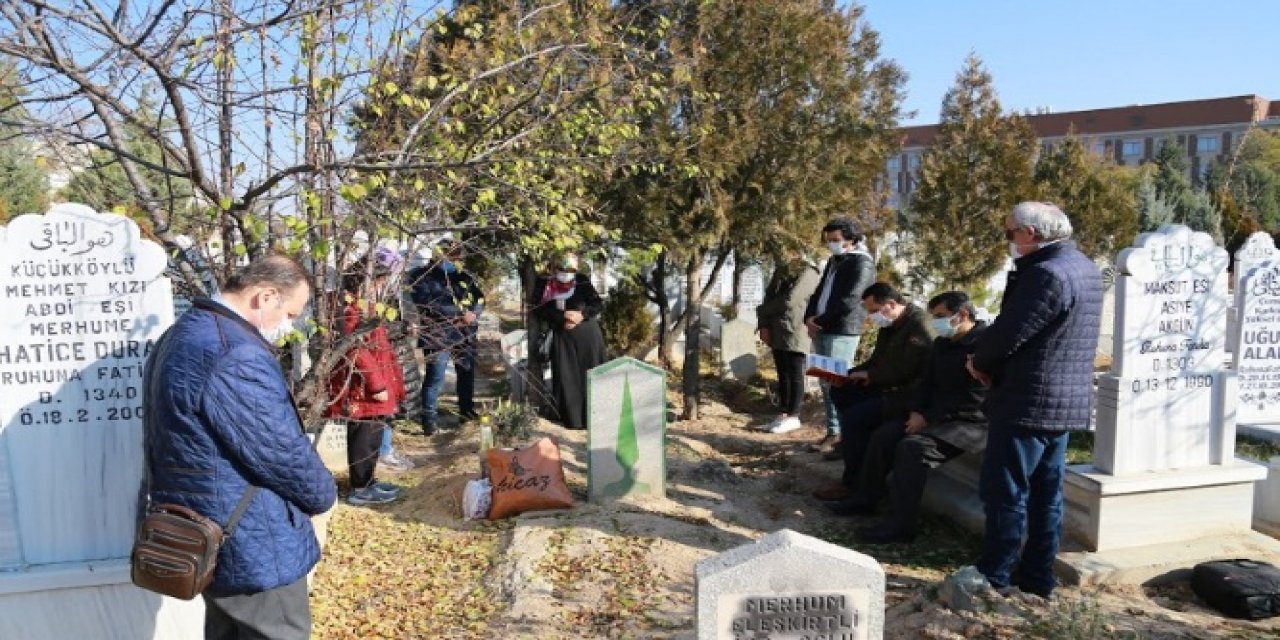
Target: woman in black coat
pixel 571 306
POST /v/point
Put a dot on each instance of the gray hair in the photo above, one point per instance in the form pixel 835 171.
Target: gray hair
pixel 274 270
pixel 1050 223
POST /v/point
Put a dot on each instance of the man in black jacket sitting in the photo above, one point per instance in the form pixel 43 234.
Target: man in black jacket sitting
pixel 945 420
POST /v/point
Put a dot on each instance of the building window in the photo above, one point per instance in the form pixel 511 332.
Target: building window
pixel 894 163
pixel 1099 148
pixel 1207 144
pixel 1132 148
pixel 913 162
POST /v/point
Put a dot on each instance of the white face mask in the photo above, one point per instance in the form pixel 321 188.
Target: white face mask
pixel 277 333
pixel 880 320
pixel 565 277
pixel 1015 254
pixel 836 248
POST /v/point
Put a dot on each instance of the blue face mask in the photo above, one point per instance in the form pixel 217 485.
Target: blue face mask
pixel 448 266
pixel 943 328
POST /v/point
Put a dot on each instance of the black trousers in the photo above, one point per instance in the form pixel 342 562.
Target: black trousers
pixel 364 438
pixel 909 457
pixel 861 411
pixel 283 613
pixel 790 366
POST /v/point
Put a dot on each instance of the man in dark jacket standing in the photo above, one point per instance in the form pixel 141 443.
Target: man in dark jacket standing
pixel 449 304
pixel 879 389
pixel 834 314
pixel 221 429
pixel 1038 360
pixel 944 421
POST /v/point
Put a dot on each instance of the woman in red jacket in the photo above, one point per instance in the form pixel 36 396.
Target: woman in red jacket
pixel 367 387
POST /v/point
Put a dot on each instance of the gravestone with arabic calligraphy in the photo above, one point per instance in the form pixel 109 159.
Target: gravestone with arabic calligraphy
pixel 85 300
pixel 1160 407
pixel 1164 469
pixel 1259 247
pixel 1257 358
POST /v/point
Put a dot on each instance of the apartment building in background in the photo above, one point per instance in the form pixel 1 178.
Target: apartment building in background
pixel 1207 129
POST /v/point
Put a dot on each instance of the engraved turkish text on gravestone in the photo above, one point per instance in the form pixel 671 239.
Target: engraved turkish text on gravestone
pixel 1257 360
pixel 86 301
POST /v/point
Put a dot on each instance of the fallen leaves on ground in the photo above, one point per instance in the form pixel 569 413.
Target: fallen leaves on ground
pixel 387 578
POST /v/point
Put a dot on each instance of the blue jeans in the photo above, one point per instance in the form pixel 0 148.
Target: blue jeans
pixel 464 365
pixel 386 449
pixel 1021 491
pixel 844 347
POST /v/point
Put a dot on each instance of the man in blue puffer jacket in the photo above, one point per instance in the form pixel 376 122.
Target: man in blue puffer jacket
pixel 219 419
pixel 1037 359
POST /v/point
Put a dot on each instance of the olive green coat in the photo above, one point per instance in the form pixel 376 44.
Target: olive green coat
pixel 782 310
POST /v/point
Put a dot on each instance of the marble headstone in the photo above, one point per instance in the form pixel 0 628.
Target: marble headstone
pixel 85 301
pixel 789 586
pixel 1259 247
pixel 738 349
pixel 1164 403
pixel 514 348
pixel 1257 358
pixel 626 429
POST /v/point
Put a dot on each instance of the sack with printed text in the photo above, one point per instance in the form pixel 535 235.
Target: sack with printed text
pixel 528 479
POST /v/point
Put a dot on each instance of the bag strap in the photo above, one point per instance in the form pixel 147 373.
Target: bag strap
pixel 239 512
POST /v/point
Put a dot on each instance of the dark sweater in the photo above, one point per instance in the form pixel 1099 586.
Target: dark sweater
pixel 947 392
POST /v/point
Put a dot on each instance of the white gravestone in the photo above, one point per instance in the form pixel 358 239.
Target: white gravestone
pixel 514 348
pixel 1164 468
pixel 1257 359
pixel 738 356
pixel 85 300
pixel 1162 404
pixel 626 429
pixel 789 586
pixel 1259 247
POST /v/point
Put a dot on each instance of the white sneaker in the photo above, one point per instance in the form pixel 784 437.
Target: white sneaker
pixel 786 425
pixel 768 426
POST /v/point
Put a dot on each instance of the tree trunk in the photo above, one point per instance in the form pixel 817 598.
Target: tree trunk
pixel 657 293
pixel 691 384
pixel 739 266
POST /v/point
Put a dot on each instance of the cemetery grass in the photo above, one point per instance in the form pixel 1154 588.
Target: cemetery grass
pixel 414 569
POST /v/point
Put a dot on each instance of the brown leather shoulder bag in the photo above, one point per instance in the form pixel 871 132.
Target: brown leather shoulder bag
pixel 176 549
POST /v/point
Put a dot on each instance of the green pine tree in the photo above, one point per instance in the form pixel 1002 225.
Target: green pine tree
pixel 1099 197
pixel 1153 210
pixel 972 174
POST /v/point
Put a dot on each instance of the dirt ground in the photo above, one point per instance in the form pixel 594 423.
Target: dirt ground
pixel 415 569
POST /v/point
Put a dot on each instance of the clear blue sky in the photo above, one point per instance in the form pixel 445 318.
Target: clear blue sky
pixel 1083 54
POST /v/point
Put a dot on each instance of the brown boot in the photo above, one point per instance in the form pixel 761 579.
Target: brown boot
pixel 832 492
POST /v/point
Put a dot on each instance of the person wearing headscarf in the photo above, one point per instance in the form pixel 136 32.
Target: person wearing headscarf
pixel 570 306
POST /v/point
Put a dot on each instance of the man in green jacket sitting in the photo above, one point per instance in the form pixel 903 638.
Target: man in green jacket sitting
pixel 880 388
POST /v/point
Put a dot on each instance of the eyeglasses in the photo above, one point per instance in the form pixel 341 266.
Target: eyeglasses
pixel 1008 233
